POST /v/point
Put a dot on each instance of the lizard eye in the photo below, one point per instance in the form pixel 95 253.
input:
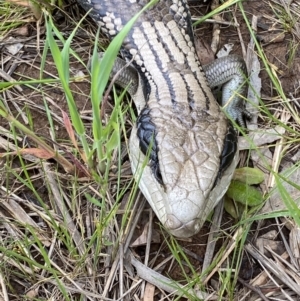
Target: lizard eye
pixel 229 149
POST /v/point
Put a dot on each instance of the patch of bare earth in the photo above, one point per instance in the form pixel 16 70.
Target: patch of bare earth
pixel 52 245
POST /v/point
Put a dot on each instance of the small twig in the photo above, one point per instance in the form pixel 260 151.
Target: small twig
pixel 15 104
pixel 4 290
pixel 135 216
pixel 219 21
pixel 72 229
pixel 285 116
pixel 192 254
pixel 234 241
pixel 8 78
pixel 148 245
pixel 271 267
pixel 211 241
pixel 254 289
pixel 216 29
pixel 20 215
pixel 134 286
pixel 161 281
pixel 295 100
pixel 108 282
pixel 121 270
pixel 241 39
pixel 79 290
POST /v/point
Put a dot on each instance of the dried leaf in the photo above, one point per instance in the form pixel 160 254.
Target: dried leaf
pixel 204 52
pixel 258 138
pixel 32 293
pixel 37 152
pixel 69 128
pixel 142 239
pixel 149 292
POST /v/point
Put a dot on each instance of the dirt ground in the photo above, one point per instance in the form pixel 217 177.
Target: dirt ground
pixel 279 38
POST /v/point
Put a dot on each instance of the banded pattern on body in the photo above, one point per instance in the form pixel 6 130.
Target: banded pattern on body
pixel 193 144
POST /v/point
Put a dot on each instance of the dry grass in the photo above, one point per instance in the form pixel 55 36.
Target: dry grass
pixel 74 225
